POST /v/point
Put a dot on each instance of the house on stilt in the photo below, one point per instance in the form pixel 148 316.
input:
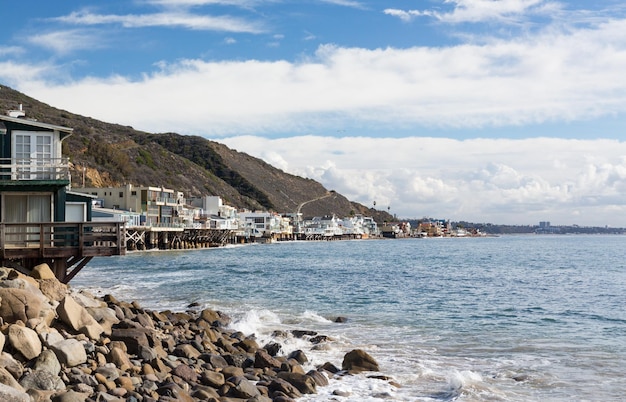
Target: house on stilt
pixel 41 220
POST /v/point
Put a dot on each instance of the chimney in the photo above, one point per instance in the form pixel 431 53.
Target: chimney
pixel 17 113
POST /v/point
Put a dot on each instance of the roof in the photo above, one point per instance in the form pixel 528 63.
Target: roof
pixel 35 123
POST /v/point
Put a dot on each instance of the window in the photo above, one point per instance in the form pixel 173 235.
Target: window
pixel 25 208
pixel 121 194
pixel 33 156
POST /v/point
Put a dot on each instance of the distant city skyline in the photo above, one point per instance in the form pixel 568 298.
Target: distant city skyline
pixel 501 111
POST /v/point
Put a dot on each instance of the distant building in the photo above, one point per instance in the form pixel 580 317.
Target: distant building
pixel 158 206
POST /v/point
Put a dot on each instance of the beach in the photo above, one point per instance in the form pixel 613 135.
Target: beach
pixel 63 345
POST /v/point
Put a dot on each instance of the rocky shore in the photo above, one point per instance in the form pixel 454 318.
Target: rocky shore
pixel 60 345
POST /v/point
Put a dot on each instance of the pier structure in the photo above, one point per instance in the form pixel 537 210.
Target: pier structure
pixel 174 238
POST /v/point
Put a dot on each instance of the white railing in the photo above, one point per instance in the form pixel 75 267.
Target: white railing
pixel 12 169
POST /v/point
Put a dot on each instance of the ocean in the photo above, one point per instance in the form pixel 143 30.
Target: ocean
pixel 510 318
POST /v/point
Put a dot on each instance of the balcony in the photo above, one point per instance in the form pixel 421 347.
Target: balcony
pixel 49 169
pixel 68 245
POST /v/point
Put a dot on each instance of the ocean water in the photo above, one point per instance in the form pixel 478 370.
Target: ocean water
pixel 511 318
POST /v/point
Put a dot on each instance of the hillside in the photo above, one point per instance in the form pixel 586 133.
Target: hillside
pixel 106 154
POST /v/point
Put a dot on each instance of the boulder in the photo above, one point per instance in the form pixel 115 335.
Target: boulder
pixel 120 359
pixel 244 388
pixel 7 379
pixel 42 380
pixel 19 304
pixel 279 385
pixel 212 379
pixel 262 359
pixel 358 360
pixel 70 352
pixel 319 378
pixel 3 340
pixel 303 382
pixel 53 289
pixel 25 341
pixel 48 361
pixel 187 373
pixel 132 337
pixel 9 363
pixel 75 315
pixel 8 393
pixel 71 396
pixel 50 336
pixel 42 271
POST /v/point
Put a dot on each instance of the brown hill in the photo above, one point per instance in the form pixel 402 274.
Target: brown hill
pixel 105 154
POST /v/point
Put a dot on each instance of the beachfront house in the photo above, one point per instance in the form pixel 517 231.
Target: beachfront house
pixel 212 213
pixel 158 206
pixel 41 221
pixel 260 223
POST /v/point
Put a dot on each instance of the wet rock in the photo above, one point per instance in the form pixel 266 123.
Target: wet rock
pixel 279 385
pixel 262 359
pixel 358 361
pixel 304 383
pixel 319 378
pixel 299 356
pixel 273 348
pixel 341 320
pixel 302 333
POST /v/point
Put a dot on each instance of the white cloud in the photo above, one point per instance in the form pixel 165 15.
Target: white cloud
pixel 481 180
pixel 482 10
pixel 406 15
pixel 555 76
pixel 345 3
pixel 11 50
pixel 64 42
pixel 165 19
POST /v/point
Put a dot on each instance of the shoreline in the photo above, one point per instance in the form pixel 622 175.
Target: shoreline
pixel 66 345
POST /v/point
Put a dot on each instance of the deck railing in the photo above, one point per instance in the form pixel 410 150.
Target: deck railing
pixel 34 169
pixel 61 239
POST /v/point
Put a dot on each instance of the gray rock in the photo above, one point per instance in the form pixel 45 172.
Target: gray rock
pixel 42 380
pixel 8 393
pixel 244 388
pixel 70 352
pixel 49 362
pixel 71 396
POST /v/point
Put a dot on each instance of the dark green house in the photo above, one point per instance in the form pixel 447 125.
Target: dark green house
pixel 40 220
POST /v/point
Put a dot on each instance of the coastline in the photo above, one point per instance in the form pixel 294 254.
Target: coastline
pixel 60 344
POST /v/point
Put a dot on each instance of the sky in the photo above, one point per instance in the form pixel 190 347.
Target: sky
pixel 488 111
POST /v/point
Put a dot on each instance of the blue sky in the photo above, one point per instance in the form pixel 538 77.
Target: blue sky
pixel 502 111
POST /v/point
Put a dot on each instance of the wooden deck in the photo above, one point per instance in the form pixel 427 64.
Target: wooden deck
pixel 66 247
